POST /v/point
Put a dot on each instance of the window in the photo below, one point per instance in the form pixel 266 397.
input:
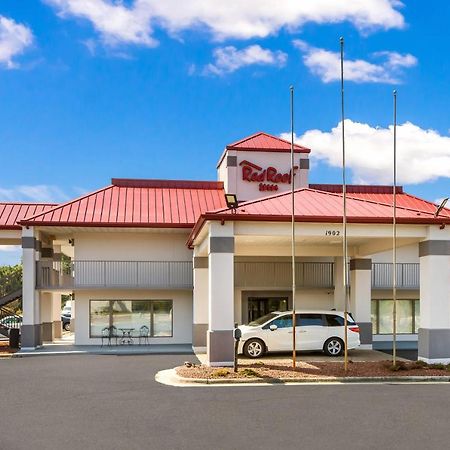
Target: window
pixel 334 321
pixel 155 314
pixel 408 312
pixel 283 321
pixel 308 320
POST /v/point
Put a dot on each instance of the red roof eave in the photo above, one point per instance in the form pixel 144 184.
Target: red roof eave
pixel 321 219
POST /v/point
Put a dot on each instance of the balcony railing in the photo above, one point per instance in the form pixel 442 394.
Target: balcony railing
pixel 408 275
pixel 279 274
pixel 178 275
pixel 114 274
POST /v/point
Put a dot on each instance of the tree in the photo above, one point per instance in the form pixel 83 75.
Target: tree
pixel 10 279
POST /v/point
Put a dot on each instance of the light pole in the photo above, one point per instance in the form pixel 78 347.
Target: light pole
pixel 294 350
pixel 394 240
pixel 344 214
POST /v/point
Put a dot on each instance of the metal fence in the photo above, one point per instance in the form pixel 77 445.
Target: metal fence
pixel 115 274
pixel 408 275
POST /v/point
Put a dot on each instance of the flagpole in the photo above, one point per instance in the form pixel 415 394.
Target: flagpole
pixel 344 215
pixel 394 240
pixel 294 352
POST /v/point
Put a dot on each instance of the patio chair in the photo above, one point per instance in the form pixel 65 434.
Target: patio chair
pixel 144 334
pixel 109 333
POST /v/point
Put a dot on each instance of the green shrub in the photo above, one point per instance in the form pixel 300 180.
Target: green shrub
pixel 249 373
pixel 400 365
pixel 220 373
pixel 419 364
pixel 438 366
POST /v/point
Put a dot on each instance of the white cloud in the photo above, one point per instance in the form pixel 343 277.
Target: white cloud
pixel 133 22
pixel 14 39
pixel 327 66
pixel 422 155
pixel 33 193
pixel 229 59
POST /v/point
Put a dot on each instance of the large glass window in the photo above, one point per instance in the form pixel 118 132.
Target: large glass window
pixel 100 316
pixel 407 316
pixel 132 314
pixel 162 319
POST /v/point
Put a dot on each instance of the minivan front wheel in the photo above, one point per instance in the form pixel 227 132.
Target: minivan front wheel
pixel 334 347
pixel 254 348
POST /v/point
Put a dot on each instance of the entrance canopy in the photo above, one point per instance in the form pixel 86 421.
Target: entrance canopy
pixel 264 223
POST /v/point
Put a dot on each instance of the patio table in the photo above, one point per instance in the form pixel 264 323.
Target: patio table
pixel 126 336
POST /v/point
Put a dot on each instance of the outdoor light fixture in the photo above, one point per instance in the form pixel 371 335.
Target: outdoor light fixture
pixel 441 207
pixel 231 201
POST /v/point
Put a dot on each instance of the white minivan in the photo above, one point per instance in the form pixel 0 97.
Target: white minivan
pixel 314 330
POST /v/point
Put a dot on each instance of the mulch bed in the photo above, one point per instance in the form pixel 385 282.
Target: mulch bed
pixel 314 370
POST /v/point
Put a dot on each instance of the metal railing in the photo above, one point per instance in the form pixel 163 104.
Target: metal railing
pixel 279 274
pixel 178 274
pixel 408 275
pixel 8 320
pixel 114 274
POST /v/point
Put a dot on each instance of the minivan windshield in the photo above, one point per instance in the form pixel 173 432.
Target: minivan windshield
pixel 263 319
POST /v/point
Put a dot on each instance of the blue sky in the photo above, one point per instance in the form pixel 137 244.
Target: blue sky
pixel 94 89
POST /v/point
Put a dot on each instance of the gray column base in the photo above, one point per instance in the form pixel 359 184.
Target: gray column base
pixel 31 336
pixel 220 348
pixel 434 345
pixel 72 325
pixel 57 329
pixel 365 333
pixel 47 331
pixel 199 331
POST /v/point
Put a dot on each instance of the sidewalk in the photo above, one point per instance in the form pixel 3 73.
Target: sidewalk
pixel 53 349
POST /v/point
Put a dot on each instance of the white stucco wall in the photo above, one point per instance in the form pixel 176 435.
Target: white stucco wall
pixel 182 313
pixel 132 246
pixel 406 254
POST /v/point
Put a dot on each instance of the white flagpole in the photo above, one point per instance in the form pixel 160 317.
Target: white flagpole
pixel 394 240
pixel 344 215
pixel 294 351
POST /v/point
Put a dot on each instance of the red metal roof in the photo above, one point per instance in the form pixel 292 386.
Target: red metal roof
pixel 13 212
pixel 383 194
pixel 267 142
pixel 138 203
pixel 321 206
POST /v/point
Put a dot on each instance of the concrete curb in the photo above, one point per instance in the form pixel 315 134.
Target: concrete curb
pixel 171 378
pixel 102 353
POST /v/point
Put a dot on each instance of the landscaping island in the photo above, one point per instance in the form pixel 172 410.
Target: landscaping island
pixel 314 371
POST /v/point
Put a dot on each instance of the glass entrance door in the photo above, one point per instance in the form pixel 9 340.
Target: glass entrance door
pixel 260 306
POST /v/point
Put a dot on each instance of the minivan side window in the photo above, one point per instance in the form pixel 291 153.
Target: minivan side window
pixel 282 322
pixel 307 320
pixel 334 321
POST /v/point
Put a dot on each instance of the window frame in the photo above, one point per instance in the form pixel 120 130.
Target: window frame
pixel 413 302
pixel 151 325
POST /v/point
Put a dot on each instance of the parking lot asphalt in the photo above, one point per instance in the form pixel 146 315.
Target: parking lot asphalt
pixel 92 402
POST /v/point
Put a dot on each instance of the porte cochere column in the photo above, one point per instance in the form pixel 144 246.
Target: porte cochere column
pixel 361 297
pixel 31 331
pixel 200 302
pixel 220 345
pixel 434 331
